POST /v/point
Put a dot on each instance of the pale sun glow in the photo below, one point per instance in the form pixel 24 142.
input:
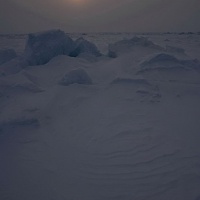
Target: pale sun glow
pixel 78 2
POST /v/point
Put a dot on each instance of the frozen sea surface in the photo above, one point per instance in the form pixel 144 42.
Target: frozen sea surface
pixel 124 128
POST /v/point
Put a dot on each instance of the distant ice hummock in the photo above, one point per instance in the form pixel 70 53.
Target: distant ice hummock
pixel 84 46
pixel 42 47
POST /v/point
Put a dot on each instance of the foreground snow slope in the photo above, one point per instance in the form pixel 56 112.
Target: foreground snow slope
pixel 132 133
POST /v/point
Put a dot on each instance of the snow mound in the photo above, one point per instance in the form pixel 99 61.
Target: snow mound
pixel 7 55
pixel 126 45
pixel 165 62
pixel 17 85
pixel 84 46
pixel 42 47
pixel 145 91
pixel 79 76
pixel 13 66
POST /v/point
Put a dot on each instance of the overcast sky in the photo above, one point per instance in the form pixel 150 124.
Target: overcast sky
pixel 22 16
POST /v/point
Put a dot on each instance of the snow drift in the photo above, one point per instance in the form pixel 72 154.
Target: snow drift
pixel 13 66
pixel 145 90
pixel 127 45
pixel 17 85
pixel 163 61
pixel 78 76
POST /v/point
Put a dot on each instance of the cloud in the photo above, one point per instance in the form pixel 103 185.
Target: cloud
pixel 100 15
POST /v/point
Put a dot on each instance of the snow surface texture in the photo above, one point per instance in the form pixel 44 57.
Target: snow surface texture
pixel 6 55
pixel 111 129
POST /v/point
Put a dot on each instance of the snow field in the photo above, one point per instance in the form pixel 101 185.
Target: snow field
pixel 123 128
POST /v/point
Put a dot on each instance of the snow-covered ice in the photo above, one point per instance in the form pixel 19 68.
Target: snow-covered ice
pixel 103 128
pixel 84 46
pixel 42 47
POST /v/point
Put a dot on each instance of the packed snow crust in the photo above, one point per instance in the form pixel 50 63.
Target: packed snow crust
pixel 123 128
